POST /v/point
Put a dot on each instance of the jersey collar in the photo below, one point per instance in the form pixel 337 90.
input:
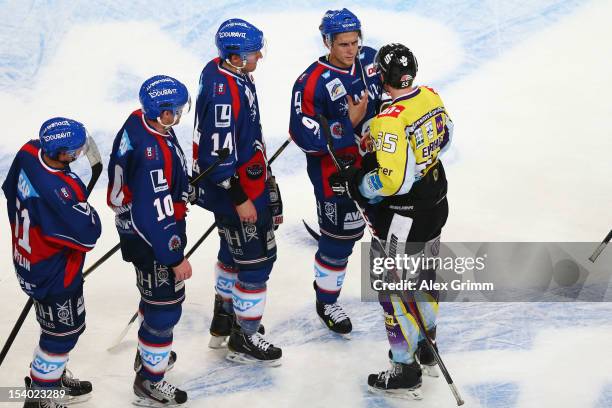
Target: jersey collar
pixel 408 95
pixel 323 61
pixel 226 71
pixel 151 130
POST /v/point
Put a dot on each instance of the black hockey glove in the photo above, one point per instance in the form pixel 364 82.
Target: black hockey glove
pixel 346 182
pixel 276 202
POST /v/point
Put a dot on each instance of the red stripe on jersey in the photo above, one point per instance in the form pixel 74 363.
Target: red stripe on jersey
pixel 167 159
pixel 74 260
pixel 309 91
pixel 235 95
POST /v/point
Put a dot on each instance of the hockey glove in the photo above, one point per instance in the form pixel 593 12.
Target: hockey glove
pixel 276 202
pixel 192 194
pixel 346 182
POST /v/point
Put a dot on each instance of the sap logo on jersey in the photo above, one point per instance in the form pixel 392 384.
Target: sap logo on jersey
pixel 125 144
pixel 24 187
pixel 43 366
pixel 158 180
pixel 152 358
pixel 336 89
pixel 243 305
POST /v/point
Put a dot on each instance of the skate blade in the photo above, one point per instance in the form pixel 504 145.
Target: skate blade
pixel 430 371
pixel 414 394
pixel 345 336
pixel 217 342
pixel 76 400
pixel 242 358
pixel 146 402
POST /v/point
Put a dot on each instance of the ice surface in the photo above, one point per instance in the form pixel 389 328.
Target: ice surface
pixel 527 84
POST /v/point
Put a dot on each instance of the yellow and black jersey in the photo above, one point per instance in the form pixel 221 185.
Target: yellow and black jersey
pixel 408 138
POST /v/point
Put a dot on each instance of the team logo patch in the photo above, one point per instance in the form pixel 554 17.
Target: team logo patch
pixel 66 193
pixel 174 244
pixel 336 130
pixel 221 89
pixel 255 171
pixel 439 124
pixel 150 153
pixel 336 89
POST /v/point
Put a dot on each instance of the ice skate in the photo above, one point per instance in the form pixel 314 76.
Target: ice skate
pixel 46 403
pixel 399 381
pixel 252 349
pixel 334 318
pixel 159 394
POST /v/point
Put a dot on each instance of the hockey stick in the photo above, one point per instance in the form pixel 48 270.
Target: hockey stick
pixel 601 247
pixel 195 246
pixel 95 161
pixel 325 129
pixel 311 231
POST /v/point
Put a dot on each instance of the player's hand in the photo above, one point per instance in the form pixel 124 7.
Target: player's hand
pixel 192 194
pixel 247 212
pixel 357 110
pixel 182 271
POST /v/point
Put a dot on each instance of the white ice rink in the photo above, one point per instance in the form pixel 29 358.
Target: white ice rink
pixel 527 84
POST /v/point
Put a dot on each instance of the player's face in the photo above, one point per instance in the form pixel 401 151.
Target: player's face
pixel 251 61
pixel 344 49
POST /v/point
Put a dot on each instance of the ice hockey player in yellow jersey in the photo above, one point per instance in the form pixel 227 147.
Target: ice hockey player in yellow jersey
pixel 403 185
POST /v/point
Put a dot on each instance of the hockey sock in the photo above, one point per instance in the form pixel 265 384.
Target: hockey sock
pixel 155 340
pixel 225 279
pixel 329 277
pixel 249 301
pixel 402 330
pixel 47 368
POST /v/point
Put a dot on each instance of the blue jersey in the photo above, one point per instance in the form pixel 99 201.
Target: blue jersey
pixel 148 185
pixel 51 222
pixel 323 89
pixel 227 115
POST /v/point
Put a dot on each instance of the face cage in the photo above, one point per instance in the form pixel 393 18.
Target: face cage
pixel 177 112
pixel 251 57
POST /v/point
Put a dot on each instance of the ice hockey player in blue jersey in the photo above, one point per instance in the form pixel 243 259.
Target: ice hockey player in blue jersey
pixel 148 190
pixel 241 192
pixel 343 87
pixel 53 227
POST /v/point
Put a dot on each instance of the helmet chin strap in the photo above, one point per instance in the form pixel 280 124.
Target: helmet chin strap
pixel 239 68
pixel 166 127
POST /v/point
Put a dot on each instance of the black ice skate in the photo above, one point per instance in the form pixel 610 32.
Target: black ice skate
pixel 159 394
pixel 76 390
pixel 46 403
pixel 334 318
pixel 400 381
pixel 252 349
pixel 221 325
pixel 138 361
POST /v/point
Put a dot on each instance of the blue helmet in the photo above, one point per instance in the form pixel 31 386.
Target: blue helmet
pixel 236 36
pixel 162 93
pixel 62 135
pixel 339 21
